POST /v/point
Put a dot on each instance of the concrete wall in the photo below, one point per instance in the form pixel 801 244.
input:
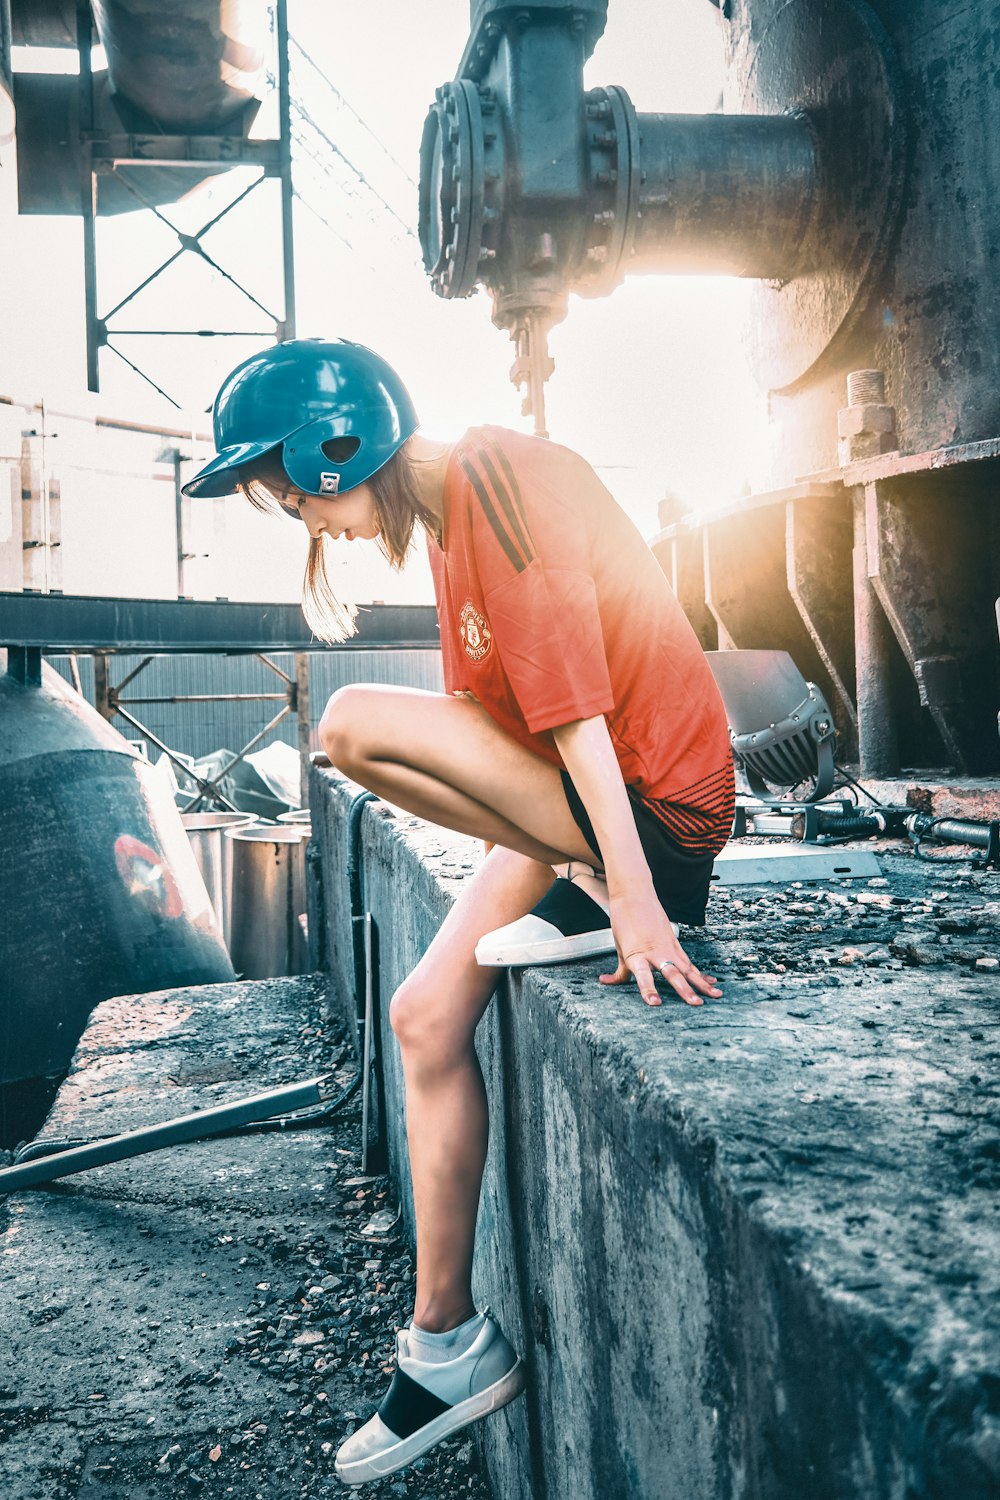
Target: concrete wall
pixel 730 1277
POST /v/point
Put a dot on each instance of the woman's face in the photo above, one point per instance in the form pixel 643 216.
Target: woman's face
pixel 351 515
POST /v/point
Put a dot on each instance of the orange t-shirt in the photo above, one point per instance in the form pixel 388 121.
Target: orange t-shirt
pixel 553 608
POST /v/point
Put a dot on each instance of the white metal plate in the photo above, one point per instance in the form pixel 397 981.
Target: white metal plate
pixel 779 864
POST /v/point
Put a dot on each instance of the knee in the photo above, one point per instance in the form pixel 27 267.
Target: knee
pixel 408 1015
pixel 425 1035
pixel 341 729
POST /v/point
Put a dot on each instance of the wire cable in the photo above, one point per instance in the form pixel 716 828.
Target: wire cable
pixel 349 107
pixel 303 114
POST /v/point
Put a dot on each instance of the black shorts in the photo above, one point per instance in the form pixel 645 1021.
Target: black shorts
pixel 680 879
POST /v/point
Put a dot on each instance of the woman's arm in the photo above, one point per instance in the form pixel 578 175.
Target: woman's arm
pixel 645 938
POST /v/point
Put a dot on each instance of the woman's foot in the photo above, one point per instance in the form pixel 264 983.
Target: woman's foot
pixel 571 921
pixel 430 1398
pixel 568 923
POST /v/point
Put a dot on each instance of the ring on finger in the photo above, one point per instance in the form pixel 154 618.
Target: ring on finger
pixel 666 963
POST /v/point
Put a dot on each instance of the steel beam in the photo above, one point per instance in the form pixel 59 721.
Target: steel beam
pixel 67 622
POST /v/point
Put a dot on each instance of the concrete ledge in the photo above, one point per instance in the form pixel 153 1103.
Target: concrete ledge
pixel 747 1251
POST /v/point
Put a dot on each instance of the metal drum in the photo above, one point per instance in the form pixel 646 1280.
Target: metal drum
pixel 215 857
pixel 268 900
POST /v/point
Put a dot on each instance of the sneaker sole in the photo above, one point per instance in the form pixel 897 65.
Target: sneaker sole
pixel 377 1465
pixel 555 950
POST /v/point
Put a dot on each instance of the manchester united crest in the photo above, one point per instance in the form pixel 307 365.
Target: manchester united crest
pixel 477 637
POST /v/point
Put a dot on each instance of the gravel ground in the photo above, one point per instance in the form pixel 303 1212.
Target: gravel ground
pixel 915 915
pixel 346 1293
pixel 312 1352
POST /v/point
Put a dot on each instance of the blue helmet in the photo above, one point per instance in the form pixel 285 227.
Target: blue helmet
pixel 298 396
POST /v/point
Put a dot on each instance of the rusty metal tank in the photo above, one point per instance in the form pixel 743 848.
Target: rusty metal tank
pixel 100 894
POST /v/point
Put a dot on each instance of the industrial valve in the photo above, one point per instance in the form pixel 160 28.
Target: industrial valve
pixel 533 187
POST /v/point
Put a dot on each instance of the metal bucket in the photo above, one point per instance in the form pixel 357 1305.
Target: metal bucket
pixel 268 936
pixel 298 817
pixel 215 857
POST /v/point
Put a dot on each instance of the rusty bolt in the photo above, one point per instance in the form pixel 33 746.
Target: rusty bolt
pixel 866 426
pixel 852 421
pixel 865 388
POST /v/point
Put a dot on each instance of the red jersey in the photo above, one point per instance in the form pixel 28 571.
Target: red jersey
pixel 553 608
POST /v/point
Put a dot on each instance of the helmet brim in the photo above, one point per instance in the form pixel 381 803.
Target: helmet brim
pixel 221 476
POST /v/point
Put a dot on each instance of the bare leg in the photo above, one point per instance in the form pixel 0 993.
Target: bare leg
pixel 434 1014
pixel 446 760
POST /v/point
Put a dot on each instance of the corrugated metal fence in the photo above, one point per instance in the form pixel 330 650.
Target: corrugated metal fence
pixel 199 728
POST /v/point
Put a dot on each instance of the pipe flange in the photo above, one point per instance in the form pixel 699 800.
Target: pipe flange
pixel 460 181
pixel 613 145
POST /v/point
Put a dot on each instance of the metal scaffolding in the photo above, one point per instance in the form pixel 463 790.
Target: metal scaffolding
pixel 123 156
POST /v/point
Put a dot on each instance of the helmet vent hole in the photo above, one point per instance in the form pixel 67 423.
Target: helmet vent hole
pixel 339 450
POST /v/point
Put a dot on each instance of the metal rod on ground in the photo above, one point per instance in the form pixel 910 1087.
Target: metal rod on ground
pixel 193 1127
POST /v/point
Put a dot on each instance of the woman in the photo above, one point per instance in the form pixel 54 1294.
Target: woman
pixel 581 724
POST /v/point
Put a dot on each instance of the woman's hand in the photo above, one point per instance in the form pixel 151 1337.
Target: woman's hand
pixel 647 944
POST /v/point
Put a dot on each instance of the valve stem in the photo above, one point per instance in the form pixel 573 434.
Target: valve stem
pixel 532 367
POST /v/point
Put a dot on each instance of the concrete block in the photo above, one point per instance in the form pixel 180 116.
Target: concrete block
pixel 747 1250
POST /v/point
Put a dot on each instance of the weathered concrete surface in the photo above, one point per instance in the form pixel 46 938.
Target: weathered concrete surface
pixel 221 1298
pixel 748 1250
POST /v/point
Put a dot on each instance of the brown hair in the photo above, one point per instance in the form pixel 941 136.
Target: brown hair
pixel 397 508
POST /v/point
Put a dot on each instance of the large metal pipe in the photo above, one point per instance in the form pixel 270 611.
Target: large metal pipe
pixel 723 194
pixel 174 71
pixel 189 65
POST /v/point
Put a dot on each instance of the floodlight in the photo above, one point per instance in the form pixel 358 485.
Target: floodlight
pixel 780 726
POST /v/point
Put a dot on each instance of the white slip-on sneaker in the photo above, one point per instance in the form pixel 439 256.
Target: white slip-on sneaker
pixel 570 922
pixel 427 1402
pixel 566 923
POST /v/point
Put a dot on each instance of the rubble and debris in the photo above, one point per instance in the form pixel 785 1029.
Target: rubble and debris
pixel 885 923
pixel 217 1318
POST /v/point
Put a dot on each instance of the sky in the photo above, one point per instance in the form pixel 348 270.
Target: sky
pixel 650 383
